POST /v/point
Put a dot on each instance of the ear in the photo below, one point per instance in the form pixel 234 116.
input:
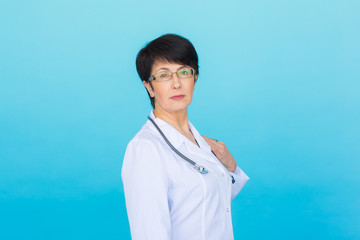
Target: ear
pixel 195 79
pixel 149 88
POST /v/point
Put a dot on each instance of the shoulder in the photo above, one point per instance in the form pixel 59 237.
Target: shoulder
pixel 145 137
pixel 144 153
pixel 146 144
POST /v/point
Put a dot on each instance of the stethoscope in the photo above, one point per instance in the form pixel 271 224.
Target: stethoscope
pixel 200 169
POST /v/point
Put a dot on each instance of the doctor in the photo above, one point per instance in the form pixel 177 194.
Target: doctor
pixel 167 196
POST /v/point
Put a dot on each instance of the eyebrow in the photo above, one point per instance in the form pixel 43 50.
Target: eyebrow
pixel 182 66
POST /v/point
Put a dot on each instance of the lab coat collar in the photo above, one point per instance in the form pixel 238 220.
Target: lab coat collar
pixel 201 141
pixel 174 136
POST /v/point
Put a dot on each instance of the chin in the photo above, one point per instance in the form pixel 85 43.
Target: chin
pixel 179 107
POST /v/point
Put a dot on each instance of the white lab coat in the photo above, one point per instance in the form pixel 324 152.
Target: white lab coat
pixel 166 198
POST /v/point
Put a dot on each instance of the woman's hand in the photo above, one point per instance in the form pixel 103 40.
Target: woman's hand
pixel 222 153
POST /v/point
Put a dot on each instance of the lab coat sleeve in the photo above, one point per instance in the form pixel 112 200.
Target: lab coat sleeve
pixel 145 186
pixel 240 179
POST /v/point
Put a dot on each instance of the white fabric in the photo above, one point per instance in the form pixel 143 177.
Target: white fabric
pixel 166 198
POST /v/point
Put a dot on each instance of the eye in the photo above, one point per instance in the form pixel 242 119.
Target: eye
pixel 163 75
pixel 184 72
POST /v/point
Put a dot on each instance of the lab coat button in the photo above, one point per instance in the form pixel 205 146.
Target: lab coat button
pixel 227 210
pixel 223 174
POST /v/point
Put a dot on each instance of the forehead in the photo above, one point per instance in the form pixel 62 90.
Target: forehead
pixel 162 65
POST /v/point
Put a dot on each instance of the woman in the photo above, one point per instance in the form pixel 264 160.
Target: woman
pixel 168 196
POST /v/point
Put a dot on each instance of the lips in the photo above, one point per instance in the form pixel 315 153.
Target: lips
pixel 177 97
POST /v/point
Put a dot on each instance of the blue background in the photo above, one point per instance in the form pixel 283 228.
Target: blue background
pixel 279 84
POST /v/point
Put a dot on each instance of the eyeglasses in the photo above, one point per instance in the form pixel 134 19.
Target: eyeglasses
pixel 167 75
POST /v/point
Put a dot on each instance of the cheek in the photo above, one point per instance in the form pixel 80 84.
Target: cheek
pixel 161 93
pixel 191 87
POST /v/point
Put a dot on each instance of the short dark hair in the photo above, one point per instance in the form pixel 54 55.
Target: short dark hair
pixel 170 48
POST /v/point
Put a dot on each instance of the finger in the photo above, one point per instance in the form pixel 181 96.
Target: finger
pixel 210 139
pixel 216 155
pixel 212 143
pixel 207 139
pixel 215 148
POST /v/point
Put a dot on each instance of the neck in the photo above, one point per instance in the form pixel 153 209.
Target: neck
pixel 178 120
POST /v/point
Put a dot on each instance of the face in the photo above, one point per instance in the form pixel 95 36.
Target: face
pixel 174 95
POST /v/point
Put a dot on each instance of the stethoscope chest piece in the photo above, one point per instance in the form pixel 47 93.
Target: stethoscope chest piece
pixel 201 169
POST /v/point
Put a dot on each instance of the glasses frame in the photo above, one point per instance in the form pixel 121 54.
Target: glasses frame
pixel 152 77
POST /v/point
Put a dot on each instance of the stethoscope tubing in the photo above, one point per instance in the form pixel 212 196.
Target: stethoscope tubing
pixel 199 168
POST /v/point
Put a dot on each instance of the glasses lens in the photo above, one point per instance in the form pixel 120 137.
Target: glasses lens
pixel 185 72
pixel 163 76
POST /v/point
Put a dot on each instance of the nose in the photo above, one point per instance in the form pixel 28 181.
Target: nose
pixel 176 81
